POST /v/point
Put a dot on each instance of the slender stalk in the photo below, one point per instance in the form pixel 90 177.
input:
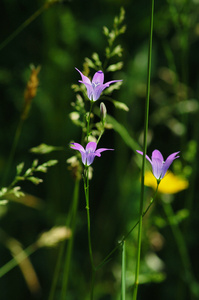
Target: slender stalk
pixel 86 190
pixel 69 245
pixel 144 155
pixel 123 285
pixel 26 23
pixel 57 271
pixel 106 259
pixel 17 259
pixel 88 120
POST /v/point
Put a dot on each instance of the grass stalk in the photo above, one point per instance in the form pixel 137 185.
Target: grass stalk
pixel 123 285
pixel 71 240
pixel 144 155
pixel 26 23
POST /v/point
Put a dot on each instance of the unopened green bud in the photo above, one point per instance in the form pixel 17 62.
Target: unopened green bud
pixel 103 112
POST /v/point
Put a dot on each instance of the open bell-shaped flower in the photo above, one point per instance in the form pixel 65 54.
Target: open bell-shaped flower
pixel 96 86
pixel 88 154
pixel 159 166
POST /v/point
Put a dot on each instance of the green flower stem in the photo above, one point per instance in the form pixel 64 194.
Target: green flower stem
pixel 17 259
pixel 123 285
pixel 144 155
pixel 26 23
pixel 71 240
pixel 101 133
pixel 183 252
pixel 86 190
pixel 88 120
pixel 57 271
pixel 107 258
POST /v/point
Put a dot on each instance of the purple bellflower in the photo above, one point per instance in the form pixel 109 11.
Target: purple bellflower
pixel 88 154
pixel 95 88
pixel 159 166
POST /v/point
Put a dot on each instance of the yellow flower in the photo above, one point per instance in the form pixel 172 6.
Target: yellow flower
pixel 170 184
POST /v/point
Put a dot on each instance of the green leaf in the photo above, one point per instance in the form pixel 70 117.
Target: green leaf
pixel 3 191
pixel 50 163
pixel 35 180
pixel 90 63
pixel 115 67
pixel 20 168
pixel 17 192
pixel 3 202
pixel 116 51
pixel 42 169
pixel 27 173
pixel 35 163
pixel 44 149
pixel 120 105
pixel 112 87
pixel 105 31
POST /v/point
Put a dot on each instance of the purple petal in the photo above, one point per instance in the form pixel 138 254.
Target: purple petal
pixel 90 147
pixel 84 157
pixel 140 152
pixel 89 89
pixel 168 162
pixel 90 158
pixel 97 91
pixel 98 78
pixel 113 81
pixel 157 168
pixel 98 151
pixel 85 79
pixel 77 146
pixel 156 154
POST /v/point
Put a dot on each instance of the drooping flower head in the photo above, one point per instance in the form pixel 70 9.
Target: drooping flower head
pixel 95 88
pixel 88 154
pixel 159 166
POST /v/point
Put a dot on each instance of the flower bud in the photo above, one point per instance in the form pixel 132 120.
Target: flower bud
pixel 103 112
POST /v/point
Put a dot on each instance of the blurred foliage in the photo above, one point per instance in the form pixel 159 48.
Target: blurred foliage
pixel 76 33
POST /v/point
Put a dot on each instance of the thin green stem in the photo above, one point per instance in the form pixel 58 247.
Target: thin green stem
pixel 70 242
pixel 92 284
pixel 17 259
pixel 88 121
pixel 26 23
pixel 101 133
pixel 123 285
pixel 57 271
pixel 144 155
pixel 86 190
pixel 106 259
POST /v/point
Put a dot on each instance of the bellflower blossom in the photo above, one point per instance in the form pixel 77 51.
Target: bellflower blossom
pixel 88 154
pixel 159 166
pixel 95 88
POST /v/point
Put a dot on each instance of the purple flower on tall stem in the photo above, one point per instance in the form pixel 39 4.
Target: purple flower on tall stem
pixel 95 88
pixel 88 154
pixel 159 166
